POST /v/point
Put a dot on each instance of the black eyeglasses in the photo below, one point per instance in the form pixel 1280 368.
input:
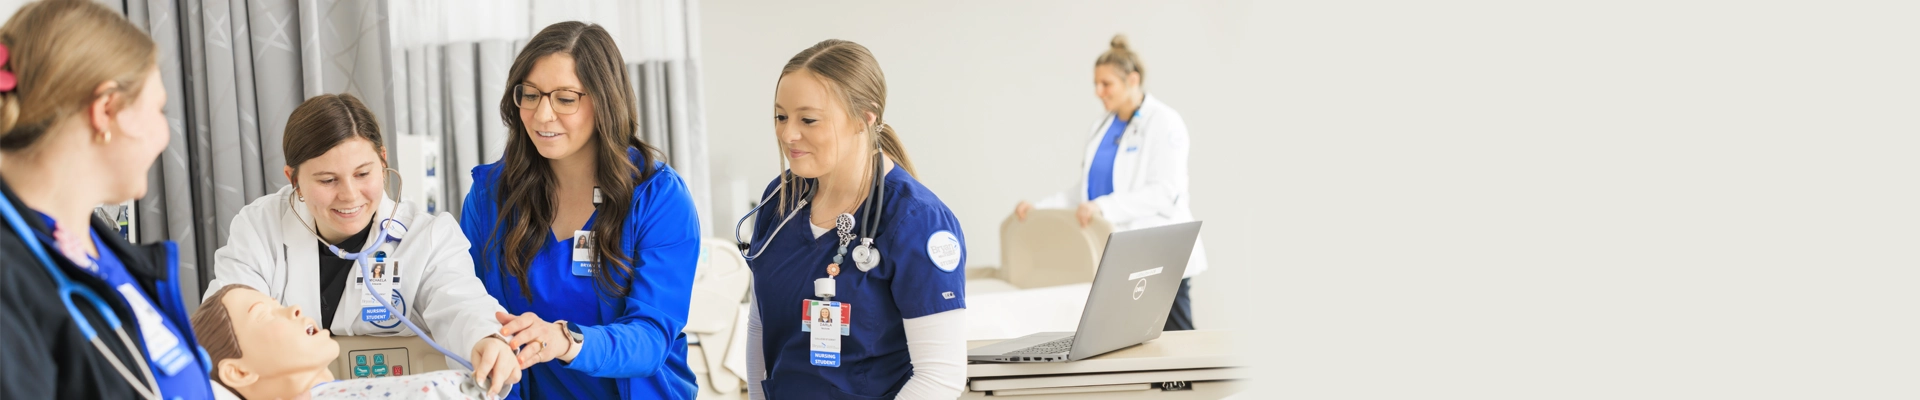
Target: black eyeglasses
pixel 563 101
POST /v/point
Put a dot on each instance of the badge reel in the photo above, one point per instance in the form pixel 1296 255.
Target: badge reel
pixel 826 319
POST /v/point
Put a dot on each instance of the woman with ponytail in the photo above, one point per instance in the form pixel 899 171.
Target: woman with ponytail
pixel 83 313
pixel 870 244
pixel 1135 171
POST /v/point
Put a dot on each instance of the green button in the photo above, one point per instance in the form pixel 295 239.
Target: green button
pixel 361 371
pixel 360 359
pixel 379 370
pixel 379 359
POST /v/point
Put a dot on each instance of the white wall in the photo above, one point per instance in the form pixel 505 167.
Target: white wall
pixel 994 100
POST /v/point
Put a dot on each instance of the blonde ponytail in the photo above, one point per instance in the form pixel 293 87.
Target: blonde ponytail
pixel 9 112
pixel 59 52
pixel 889 143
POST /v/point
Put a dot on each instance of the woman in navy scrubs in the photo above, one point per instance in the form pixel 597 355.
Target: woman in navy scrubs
pixel 601 321
pixel 82 117
pixel 868 243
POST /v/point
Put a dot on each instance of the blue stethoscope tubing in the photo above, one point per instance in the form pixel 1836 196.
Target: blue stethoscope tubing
pixel 68 289
pixel 365 258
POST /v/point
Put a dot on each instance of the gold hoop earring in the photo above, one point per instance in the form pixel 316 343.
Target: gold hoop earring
pixel 106 136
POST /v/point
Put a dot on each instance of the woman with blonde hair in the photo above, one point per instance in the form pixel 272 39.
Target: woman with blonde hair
pixel 83 313
pixel 870 243
pixel 1135 170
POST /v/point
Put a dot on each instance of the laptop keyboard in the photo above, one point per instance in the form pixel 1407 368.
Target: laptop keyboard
pixel 1056 346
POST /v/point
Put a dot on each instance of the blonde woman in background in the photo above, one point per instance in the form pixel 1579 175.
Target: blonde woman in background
pixel 1135 170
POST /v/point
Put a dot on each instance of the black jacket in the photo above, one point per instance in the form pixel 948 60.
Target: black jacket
pixel 43 353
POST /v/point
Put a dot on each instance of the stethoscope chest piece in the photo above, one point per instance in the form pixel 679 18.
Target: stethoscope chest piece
pixel 866 256
pixel 394 228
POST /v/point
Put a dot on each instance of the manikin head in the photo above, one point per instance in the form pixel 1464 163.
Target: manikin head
pixel 261 349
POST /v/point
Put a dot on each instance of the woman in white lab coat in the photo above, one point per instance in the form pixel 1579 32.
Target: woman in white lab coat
pixel 284 245
pixel 1135 171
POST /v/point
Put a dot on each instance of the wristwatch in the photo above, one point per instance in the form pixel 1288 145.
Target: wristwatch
pixel 572 331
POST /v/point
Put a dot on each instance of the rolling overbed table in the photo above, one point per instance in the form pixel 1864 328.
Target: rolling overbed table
pixel 1178 365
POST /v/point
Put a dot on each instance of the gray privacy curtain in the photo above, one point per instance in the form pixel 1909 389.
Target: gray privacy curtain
pixel 453 93
pixel 234 71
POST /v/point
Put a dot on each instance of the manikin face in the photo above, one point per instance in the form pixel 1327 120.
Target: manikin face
pixel 276 340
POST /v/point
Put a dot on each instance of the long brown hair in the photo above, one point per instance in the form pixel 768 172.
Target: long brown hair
pixel 60 51
pixel 850 71
pixel 527 179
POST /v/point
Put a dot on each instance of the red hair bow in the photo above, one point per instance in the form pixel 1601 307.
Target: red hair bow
pixel 6 75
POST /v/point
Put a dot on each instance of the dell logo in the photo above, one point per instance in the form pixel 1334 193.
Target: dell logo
pixel 1139 289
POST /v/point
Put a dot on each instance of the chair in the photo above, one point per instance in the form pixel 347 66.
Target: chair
pixel 720 286
pixel 1050 249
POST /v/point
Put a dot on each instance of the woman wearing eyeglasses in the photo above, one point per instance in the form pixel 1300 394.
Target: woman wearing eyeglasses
pixel 599 320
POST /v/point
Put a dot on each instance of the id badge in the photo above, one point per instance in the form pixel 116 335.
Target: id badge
pixel 583 253
pixel 386 281
pixel 163 347
pixel 825 319
pixel 810 312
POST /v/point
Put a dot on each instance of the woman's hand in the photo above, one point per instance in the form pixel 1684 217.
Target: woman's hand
pixel 1087 211
pixel 494 364
pixel 1020 210
pixel 535 339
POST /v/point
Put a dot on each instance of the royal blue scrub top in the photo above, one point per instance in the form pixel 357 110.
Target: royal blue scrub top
pixel 189 379
pixel 1100 174
pixel 633 348
pixel 909 282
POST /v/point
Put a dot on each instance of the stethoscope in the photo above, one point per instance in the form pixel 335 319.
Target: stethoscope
pixel 365 259
pixel 68 289
pixel 865 256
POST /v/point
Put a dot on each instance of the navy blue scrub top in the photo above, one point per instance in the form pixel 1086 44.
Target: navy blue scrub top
pixel 908 283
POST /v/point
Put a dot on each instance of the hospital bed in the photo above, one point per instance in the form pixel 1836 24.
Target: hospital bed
pixel 715 353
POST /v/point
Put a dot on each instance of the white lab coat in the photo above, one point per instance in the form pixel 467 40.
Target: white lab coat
pixel 270 249
pixel 1149 176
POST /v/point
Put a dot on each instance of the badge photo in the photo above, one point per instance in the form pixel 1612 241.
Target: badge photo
pixel 583 256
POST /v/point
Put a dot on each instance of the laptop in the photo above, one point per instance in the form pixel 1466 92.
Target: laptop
pixel 1132 292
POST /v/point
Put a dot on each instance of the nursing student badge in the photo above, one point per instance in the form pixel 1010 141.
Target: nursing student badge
pixel 386 281
pixel 810 313
pixel 827 321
